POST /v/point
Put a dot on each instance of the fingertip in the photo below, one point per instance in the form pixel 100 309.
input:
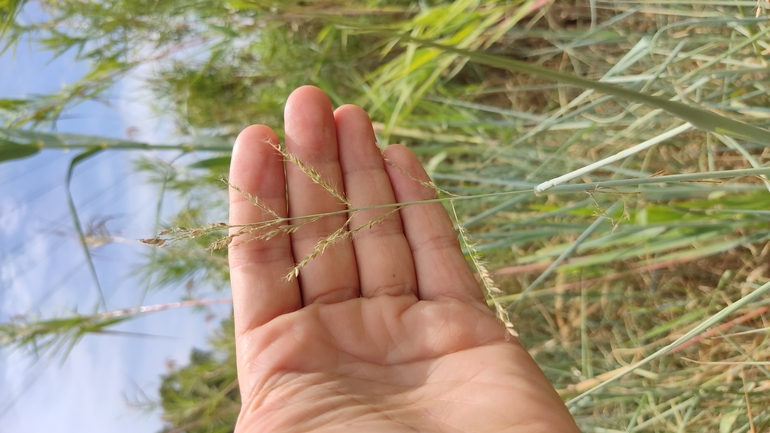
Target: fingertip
pixel 303 96
pixel 255 132
pixel 355 139
pixel 351 112
pixel 309 121
pixel 256 168
pixel 253 135
pixel 253 147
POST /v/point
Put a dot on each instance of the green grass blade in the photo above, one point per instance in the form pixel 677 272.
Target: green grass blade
pixel 64 141
pixel 216 163
pixel 724 174
pixel 568 252
pixel 703 119
pixel 76 219
pixel 9 9
pixel 705 325
pixel 10 151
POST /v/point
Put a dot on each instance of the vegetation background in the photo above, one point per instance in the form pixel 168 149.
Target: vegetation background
pixel 643 297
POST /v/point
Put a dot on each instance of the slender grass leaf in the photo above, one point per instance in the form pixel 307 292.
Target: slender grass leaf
pixel 728 421
pixel 9 9
pixel 702 327
pixel 45 140
pixel 724 174
pixel 673 324
pixel 568 252
pixel 10 151
pixel 218 162
pixel 703 119
pixel 76 219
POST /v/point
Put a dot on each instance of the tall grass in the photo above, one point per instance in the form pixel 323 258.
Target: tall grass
pixel 626 288
pixel 640 285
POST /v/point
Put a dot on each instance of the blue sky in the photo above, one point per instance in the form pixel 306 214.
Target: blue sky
pixel 43 270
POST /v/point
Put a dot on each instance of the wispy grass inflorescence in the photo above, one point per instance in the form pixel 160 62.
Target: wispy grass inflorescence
pixel 493 291
pixel 250 197
pixel 49 336
pixel 177 234
pixel 429 185
pixel 339 235
pixel 310 173
pixel 249 229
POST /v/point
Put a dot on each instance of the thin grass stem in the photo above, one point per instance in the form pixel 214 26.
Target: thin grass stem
pixel 702 327
pixel 614 158
pixel 567 253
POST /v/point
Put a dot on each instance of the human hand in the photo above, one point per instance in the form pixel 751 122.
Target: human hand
pixel 386 330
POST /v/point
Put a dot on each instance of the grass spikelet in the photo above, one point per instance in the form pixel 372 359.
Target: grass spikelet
pixel 157 241
pixel 176 234
pixel 311 173
pixel 340 234
pixel 249 229
pixel 430 185
pixel 486 278
pixel 253 199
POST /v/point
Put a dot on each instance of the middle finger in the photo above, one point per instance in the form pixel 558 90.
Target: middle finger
pixel 311 136
pixel 384 259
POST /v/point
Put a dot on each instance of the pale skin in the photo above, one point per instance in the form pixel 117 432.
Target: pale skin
pixel 386 331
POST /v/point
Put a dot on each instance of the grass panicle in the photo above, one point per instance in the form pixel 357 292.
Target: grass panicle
pixel 485 276
pixel 339 235
pixel 253 199
pixel 310 173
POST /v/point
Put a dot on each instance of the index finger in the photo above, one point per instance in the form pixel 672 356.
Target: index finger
pixel 258 266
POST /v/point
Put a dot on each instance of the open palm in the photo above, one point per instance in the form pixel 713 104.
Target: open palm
pixel 387 329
